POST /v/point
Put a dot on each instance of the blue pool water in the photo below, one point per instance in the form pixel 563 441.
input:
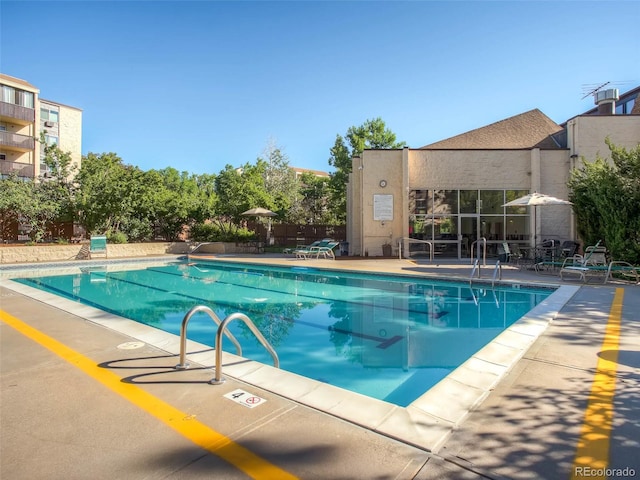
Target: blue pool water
pixel 388 337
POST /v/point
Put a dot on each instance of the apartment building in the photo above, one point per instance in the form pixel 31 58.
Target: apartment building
pixel 24 115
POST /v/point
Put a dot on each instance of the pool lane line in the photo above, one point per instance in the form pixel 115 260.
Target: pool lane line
pixel 595 437
pixel 183 423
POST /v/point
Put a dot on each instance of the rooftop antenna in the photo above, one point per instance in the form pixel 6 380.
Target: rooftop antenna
pixel 593 88
pixel 593 91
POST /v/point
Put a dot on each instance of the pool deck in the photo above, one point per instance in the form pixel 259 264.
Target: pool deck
pixel 82 399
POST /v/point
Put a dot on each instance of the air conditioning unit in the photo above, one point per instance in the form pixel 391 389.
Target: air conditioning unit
pixel 48 124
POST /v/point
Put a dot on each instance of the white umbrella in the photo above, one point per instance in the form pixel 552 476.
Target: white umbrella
pixel 259 212
pixel 534 199
pixel 262 212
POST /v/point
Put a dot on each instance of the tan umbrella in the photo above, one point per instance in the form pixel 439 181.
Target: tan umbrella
pixel 262 212
pixel 259 212
pixel 534 199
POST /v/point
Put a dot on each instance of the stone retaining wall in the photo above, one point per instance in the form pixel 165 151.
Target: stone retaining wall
pixel 53 253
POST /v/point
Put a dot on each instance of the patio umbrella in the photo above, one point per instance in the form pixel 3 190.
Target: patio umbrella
pixel 259 212
pixel 534 199
pixel 262 212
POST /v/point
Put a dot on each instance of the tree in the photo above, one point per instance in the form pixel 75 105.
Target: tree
pixel 108 192
pixel 173 201
pixel 314 203
pixel 238 190
pixel 57 184
pixel 606 198
pixel 26 203
pixel 372 134
pixel 279 180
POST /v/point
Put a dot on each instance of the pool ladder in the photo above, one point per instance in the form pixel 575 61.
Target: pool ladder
pixel 222 330
pixel 475 271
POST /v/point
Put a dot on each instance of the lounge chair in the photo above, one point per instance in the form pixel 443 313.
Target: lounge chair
pixel 624 269
pixel 324 247
pixel 98 246
pixel 593 263
pixel 300 250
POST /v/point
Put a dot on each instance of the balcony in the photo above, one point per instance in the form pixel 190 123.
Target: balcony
pixel 21 169
pixel 17 142
pixel 10 112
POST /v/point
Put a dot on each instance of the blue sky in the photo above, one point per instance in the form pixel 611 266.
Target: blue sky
pixel 198 85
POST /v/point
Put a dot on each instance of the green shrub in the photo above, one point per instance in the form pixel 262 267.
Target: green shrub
pixel 116 237
pixel 210 232
pixel 137 230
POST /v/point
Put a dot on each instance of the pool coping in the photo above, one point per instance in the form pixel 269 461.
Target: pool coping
pixel 426 423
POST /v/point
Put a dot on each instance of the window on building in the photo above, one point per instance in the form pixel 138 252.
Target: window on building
pixel 49 115
pixel 17 96
pixel 3 156
pixel 51 140
pixel 448 211
pixel 625 108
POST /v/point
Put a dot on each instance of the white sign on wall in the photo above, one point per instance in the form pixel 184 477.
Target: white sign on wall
pixel 383 207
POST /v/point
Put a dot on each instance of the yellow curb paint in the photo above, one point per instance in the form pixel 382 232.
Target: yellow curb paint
pixel 593 446
pixel 183 423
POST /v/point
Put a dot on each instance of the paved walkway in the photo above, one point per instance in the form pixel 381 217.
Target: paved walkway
pixel 82 401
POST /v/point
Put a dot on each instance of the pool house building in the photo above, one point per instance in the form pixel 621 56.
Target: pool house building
pixel 451 193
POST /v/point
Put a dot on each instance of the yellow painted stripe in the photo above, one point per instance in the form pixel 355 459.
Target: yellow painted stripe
pixel 183 423
pixel 594 442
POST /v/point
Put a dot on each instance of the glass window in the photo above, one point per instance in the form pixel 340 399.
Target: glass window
pixel 445 228
pixel 27 99
pixel 51 140
pixel 491 201
pixel 421 227
pixel 468 201
pixel 418 200
pixel 445 202
pixel 511 195
pixel 8 94
pixel 492 227
pixel 517 228
pixel 48 115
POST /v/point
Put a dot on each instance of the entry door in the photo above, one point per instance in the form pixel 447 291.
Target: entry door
pixel 469 229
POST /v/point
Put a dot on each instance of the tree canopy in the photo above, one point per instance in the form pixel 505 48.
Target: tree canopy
pixel 372 134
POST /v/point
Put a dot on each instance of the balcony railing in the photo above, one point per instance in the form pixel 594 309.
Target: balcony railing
pixel 17 112
pixel 15 141
pixel 21 169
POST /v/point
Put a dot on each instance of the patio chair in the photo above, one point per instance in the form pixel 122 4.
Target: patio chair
pixel 593 263
pixel 623 269
pixel 507 254
pixel 313 249
pixel 326 250
pixel 98 246
pixel 568 248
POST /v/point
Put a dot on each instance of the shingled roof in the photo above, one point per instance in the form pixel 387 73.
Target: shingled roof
pixel 532 129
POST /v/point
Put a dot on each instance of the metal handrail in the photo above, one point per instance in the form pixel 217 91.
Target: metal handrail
pixel 497 271
pixel 183 333
pixel 482 240
pixel 414 240
pixel 476 268
pixel 217 380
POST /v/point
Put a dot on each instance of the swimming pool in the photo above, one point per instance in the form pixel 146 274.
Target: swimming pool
pixel 387 337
